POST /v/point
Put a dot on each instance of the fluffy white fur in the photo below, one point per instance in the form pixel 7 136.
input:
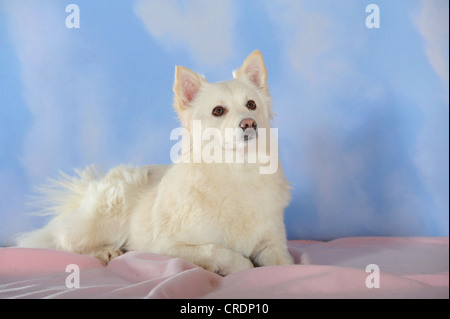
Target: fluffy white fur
pixel 222 217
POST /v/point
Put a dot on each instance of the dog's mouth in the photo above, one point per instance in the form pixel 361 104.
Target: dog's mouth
pixel 250 136
pixel 242 140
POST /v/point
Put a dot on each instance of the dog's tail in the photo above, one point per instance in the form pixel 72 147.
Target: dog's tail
pixel 59 198
pixel 63 195
pixel 41 238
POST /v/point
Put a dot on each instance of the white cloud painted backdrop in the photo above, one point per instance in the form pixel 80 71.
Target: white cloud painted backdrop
pixel 362 113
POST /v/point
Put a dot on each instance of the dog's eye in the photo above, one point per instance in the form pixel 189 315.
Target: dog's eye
pixel 218 111
pixel 251 105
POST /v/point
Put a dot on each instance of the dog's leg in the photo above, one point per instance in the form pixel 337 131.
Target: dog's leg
pixel 211 257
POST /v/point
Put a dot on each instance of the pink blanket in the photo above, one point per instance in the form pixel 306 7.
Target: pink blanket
pixel 413 267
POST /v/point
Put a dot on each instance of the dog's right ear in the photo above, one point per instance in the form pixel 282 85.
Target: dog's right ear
pixel 186 87
pixel 254 69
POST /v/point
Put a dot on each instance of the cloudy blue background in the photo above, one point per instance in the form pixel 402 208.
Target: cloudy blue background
pixel 363 114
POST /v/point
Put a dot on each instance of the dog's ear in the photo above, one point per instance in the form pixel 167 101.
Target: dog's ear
pixel 186 86
pixel 254 69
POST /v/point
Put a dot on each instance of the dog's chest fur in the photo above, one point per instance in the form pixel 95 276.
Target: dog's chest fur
pixel 230 205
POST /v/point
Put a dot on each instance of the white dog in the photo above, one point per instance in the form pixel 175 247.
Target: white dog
pixel 225 217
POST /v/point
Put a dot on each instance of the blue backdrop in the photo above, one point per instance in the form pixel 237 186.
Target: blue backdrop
pixel 363 113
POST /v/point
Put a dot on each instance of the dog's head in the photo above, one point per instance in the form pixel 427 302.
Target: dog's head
pixel 242 104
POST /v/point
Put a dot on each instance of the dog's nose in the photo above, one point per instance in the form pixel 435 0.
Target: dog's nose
pixel 248 123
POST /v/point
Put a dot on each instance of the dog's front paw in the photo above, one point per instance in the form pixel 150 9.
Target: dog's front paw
pixel 233 263
pixel 107 254
pixel 274 256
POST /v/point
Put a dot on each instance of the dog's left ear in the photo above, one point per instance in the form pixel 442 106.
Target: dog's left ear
pixel 254 69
